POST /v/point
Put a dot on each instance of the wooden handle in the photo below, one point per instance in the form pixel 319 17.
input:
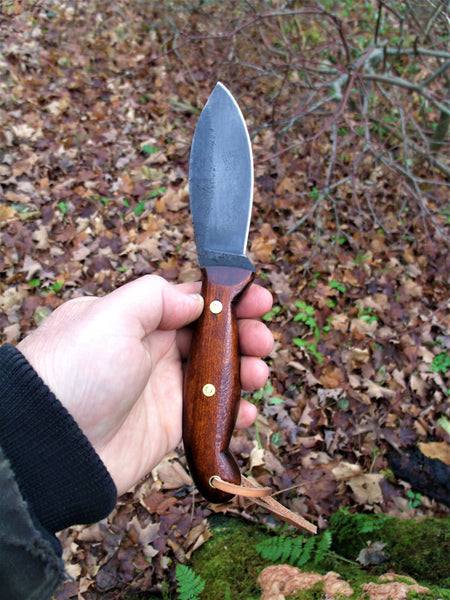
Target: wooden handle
pixel 212 386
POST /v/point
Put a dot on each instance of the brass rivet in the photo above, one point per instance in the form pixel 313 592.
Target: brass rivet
pixel 209 389
pixel 216 307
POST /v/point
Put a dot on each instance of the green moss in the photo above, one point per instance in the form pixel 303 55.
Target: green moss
pixel 230 565
pixel 228 562
pixel 420 549
pixel 435 593
pixel 314 593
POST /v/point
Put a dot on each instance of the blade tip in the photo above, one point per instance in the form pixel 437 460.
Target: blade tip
pixel 220 86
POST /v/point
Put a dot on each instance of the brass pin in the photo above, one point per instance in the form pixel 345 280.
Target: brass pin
pixel 216 307
pixel 209 390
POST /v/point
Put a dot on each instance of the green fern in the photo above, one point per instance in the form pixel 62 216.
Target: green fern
pixel 323 546
pixel 307 551
pixel 190 585
pixel 295 550
pixel 280 549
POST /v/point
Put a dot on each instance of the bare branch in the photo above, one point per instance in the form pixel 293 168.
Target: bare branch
pixel 407 85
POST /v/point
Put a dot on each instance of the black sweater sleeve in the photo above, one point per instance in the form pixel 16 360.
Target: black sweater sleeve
pixel 60 477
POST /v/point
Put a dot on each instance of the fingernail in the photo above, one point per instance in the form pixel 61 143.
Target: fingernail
pixel 198 297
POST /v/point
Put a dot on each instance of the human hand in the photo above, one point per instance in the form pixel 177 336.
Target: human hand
pixel 115 363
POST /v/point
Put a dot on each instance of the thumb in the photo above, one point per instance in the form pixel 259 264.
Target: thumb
pixel 179 308
pixel 153 303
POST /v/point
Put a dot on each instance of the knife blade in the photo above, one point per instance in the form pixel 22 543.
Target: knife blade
pixel 221 194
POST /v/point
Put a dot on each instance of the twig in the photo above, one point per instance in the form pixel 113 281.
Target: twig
pixel 320 198
pixel 399 82
pixel 423 152
pixel 413 329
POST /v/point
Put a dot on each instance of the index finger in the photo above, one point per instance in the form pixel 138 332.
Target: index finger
pixel 256 302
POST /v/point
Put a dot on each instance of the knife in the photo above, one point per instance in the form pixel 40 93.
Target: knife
pixel 221 192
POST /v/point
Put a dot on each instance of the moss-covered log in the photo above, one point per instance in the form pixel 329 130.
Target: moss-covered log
pixel 420 548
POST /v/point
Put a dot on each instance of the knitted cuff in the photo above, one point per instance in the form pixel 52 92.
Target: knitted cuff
pixel 59 474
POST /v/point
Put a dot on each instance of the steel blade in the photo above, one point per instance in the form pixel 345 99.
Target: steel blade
pixel 221 182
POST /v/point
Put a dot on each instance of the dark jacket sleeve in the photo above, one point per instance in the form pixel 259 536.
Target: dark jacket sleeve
pixel 50 478
pixel 30 567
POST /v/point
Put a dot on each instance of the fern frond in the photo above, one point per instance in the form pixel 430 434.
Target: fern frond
pixel 190 585
pixel 281 549
pixel 323 545
pixel 307 551
pixel 297 550
pixel 274 548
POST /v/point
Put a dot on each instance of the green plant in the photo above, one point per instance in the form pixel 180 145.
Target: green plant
pixel 376 452
pixel 441 363
pixel 139 208
pixel 295 550
pixel 446 213
pixel 361 257
pixel 310 348
pixel 306 314
pixel 63 206
pixel 156 193
pixel 265 393
pixel 149 149
pixel 444 423
pixel 343 403
pixel 272 313
pixel 57 286
pixel 337 286
pixel 366 315
pixel 189 585
pixel 415 499
pixel 101 199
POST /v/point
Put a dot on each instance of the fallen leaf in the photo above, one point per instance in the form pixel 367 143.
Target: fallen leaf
pixel 366 488
pixel 57 107
pixel 340 322
pixel 6 213
pixel 440 450
pixel 11 333
pixel 256 456
pixel 150 249
pixel 373 554
pixel 355 357
pixel 144 535
pixel 332 378
pixel 345 471
pixel 30 267
pixel 171 474
pixel 175 199
pixel 262 248
pixel 375 390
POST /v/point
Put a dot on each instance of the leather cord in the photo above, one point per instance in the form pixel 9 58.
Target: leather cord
pixel 239 490
pixel 262 497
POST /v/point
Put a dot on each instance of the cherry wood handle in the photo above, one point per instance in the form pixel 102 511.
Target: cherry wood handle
pixel 212 386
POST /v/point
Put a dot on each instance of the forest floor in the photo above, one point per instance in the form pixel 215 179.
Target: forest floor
pixel 98 105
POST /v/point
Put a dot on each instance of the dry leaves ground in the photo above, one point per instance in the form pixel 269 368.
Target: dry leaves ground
pixel 98 104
